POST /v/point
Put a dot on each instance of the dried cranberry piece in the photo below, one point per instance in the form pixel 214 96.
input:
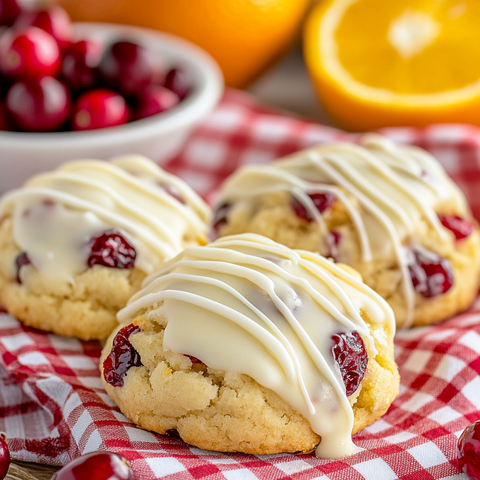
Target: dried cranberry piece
pixel 96 466
pixel 21 260
pixel 122 357
pixel 336 237
pixel 4 456
pixel 468 450
pixel 111 250
pixel 333 240
pixel 460 227
pixel 431 274
pixel 321 201
pixel 194 359
pixel 220 217
pixel 351 356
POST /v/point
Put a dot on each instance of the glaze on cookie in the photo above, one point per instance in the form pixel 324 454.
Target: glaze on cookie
pixel 246 345
pixel 389 211
pixel 77 242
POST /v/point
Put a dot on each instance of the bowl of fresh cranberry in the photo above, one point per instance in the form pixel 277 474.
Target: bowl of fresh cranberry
pixel 92 90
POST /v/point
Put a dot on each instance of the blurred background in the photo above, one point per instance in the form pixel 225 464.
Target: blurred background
pixel 355 64
pixel 370 63
pixel 287 86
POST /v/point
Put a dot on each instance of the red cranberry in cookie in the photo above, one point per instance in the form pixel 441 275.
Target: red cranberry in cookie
pixel 21 260
pixel 111 250
pixel 460 227
pixel 431 274
pixel 122 357
pixel 322 201
pixel 220 217
pixel 351 356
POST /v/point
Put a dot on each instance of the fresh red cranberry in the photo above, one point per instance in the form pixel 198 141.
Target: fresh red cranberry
pixel 179 81
pixel 351 356
pixel 9 11
pixel 173 433
pixel 99 108
pixel 53 20
pixel 41 105
pixel 129 67
pixel 111 250
pixel 122 357
pixel 460 227
pixel 3 29
pixel 5 124
pixel 154 99
pixel 79 65
pixel 468 450
pixel 5 84
pixel 220 217
pixel 431 274
pixel 21 260
pixel 4 456
pixel 96 466
pixel 321 201
pixel 29 53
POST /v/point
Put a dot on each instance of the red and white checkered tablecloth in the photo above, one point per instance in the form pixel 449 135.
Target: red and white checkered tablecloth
pixel 53 407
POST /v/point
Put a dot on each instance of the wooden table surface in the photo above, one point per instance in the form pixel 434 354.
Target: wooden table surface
pixel 30 471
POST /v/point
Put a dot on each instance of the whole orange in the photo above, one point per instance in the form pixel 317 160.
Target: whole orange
pixel 244 36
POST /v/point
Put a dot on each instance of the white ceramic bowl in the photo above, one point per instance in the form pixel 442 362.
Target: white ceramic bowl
pixel 158 137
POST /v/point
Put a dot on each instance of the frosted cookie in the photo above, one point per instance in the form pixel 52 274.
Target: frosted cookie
pixel 77 242
pixel 389 211
pixel 246 345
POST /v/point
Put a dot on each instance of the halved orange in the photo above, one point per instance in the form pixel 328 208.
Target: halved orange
pixel 377 63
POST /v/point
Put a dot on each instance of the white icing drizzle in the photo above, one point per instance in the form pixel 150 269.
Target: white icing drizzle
pixel 57 214
pixel 249 305
pixel 395 187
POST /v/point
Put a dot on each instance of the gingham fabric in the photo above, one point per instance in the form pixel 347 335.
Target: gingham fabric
pixel 53 407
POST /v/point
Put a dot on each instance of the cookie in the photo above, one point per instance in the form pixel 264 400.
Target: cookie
pixel 76 243
pixel 245 345
pixel 389 211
